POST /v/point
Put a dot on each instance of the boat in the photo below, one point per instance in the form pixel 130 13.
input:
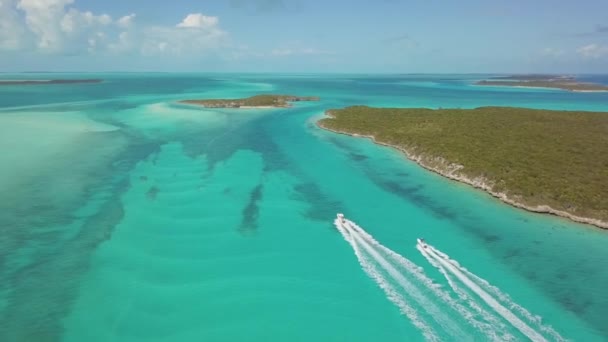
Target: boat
pixel 341 218
pixel 421 242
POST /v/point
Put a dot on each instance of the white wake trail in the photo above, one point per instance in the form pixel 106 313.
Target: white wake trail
pixel 488 329
pixel 493 303
pixel 410 288
pixel 497 330
pixel 389 290
pixel 504 298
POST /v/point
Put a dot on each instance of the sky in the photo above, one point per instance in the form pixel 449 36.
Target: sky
pixel 308 36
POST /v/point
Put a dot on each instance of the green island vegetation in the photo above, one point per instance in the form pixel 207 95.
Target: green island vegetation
pixel 263 101
pixel 532 158
pixel 568 83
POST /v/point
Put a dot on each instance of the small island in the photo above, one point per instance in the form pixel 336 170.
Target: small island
pixel 568 83
pixel 258 101
pixel 540 160
pixel 43 82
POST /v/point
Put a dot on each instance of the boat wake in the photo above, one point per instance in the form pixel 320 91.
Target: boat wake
pixel 476 287
pixel 471 309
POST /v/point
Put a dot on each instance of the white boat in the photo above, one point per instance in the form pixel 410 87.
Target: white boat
pixel 421 242
pixel 341 218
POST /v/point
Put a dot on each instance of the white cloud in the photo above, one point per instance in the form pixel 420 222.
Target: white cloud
pixel 198 20
pixel 126 21
pixel 123 44
pixel 74 21
pixel 84 31
pixel 12 31
pixel 42 17
pixel 593 51
pixel 177 41
pixel 57 27
pixel 196 34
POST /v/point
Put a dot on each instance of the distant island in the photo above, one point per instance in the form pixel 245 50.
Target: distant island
pixel 568 83
pixel 540 160
pixel 258 101
pixel 42 82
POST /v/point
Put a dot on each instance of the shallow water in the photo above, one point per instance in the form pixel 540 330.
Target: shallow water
pixel 128 217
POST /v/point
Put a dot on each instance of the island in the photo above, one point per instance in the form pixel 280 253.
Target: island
pixel 540 160
pixel 43 82
pixel 568 83
pixel 257 101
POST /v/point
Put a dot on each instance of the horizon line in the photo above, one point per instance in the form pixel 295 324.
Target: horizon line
pixel 300 72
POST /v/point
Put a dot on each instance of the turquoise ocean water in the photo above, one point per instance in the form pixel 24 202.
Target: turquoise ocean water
pixel 125 216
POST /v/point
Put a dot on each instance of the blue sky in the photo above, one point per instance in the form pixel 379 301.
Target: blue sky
pixel 405 36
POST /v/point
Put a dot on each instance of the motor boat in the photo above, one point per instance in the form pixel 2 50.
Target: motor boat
pixel 341 218
pixel 421 242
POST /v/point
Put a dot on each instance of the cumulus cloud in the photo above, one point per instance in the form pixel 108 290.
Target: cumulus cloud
pixel 57 27
pixel 200 21
pixel 12 31
pixel 74 21
pixel 126 21
pixel 124 43
pixel 176 41
pixel 43 18
pixel 195 34
pixel 50 26
pixel 81 29
pixel 593 51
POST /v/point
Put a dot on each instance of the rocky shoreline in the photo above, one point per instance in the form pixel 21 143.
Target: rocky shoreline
pixel 451 170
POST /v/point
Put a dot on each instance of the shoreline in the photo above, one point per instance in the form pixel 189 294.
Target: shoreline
pixel 449 170
pixel 202 105
pixel 557 87
pixel 544 88
pixel 195 105
pixel 262 101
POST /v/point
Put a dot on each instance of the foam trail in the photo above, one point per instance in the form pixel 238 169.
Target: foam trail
pixel 504 298
pixel 493 303
pixel 390 291
pixel 494 322
pixel 488 329
pixel 411 289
